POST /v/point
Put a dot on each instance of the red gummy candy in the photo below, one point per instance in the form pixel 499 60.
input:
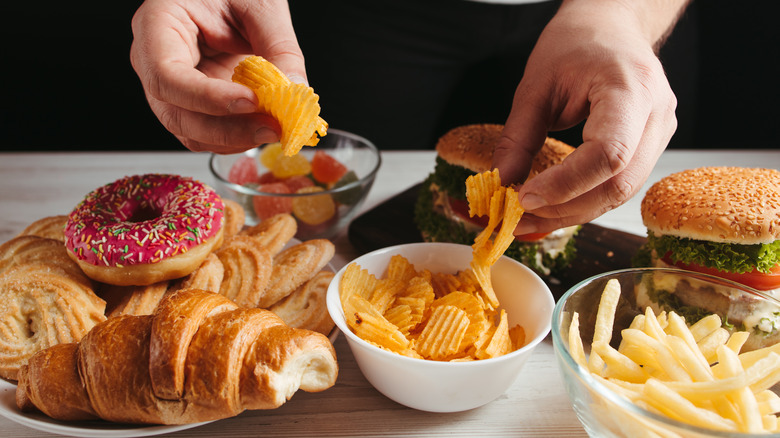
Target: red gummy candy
pixel 326 169
pixel 267 178
pixel 295 183
pixel 243 171
pixel 267 206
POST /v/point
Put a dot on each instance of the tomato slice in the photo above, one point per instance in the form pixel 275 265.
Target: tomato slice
pixel 531 237
pixel 755 279
pixel 461 208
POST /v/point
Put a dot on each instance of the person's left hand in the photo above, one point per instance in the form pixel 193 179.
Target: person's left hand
pixel 598 67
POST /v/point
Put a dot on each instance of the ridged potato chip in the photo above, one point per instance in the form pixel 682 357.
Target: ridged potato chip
pixel 385 293
pixel 371 326
pixel 356 281
pixel 479 190
pixel 295 106
pixel 469 329
pixel 443 332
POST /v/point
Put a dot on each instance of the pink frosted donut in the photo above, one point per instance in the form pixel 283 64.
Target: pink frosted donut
pixel 145 228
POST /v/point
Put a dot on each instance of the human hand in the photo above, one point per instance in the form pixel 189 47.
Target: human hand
pixel 597 65
pixel 184 52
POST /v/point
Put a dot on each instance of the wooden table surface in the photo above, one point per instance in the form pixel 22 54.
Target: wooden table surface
pixel 36 185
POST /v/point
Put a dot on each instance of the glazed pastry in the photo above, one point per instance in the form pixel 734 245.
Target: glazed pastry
pixel 40 308
pixel 26 250
pixel 294 266
pixel 133 300
pixel 50 227
pixel 234 218
pixel 306 308
pixel 275 232
pixel 247 269
pixel 236 359
pixel 207 277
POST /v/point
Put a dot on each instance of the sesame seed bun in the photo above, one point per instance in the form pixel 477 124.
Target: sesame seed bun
pixel 471 146
pixel 719 204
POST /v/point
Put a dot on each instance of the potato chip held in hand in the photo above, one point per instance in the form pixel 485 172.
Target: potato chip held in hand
pixel 295 106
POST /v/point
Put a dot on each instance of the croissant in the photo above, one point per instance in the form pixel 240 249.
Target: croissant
pixel 199 357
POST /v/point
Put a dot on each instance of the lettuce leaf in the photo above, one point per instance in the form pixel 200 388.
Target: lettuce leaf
pixel 729 257
pixel 451 178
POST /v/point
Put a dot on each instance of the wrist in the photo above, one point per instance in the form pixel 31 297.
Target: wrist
pixel 653 20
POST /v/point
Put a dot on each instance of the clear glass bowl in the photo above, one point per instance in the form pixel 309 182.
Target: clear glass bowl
pixel 358 154
pixel 603 412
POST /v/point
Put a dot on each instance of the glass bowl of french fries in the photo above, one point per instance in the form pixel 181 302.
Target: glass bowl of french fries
pixel 323 187
pixel 637 362
pixel 421 329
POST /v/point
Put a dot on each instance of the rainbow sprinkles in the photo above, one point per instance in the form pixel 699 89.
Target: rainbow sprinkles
pixel 143 219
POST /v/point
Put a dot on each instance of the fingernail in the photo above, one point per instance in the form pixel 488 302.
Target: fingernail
pixel 531 201
pixel 265 135
pixel 298 79
pixel 524 228
pixel 241 106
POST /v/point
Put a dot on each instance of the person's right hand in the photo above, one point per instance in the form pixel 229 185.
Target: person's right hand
pixel 184 52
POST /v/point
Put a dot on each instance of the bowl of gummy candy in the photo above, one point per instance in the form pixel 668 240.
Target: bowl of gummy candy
pixel 323 187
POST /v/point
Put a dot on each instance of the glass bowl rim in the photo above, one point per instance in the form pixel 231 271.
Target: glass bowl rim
pixel 603 391
pixel 360 182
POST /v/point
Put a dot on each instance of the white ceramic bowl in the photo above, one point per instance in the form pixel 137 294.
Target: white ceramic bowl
pixel 450 386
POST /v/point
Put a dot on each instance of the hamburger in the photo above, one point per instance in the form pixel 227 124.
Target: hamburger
pixel 441 211
pixel 721 221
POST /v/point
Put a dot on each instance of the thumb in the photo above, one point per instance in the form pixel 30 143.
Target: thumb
pixel 270 32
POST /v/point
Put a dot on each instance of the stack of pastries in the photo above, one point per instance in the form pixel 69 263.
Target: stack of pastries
pixel 245 330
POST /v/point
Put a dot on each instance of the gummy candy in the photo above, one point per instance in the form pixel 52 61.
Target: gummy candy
pixel 349 196
pixel 267 206
pixel 314 209
pixel 326 169
pixel 270 154
pixel 243 171
pixel 286 167
pixel 295 183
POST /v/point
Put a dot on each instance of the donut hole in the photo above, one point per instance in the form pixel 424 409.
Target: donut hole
pixel 143 214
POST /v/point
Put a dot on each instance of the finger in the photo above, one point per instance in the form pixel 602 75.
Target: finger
pixel 523 136
pixel 613 192
pixel 221 134
pixel 611 137
pixel 164 54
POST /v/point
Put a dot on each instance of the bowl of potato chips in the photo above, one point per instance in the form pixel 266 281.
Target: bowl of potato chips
pixel 323 187
pixel 638 362
pixel 424 332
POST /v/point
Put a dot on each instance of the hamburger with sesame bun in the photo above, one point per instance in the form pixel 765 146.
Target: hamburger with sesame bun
pixel 721 221
pixel 441 212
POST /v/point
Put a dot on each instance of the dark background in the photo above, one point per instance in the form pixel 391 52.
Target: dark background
pixel 68 85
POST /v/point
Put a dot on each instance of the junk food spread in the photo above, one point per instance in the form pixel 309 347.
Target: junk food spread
pixel 441 211
pixel 101 326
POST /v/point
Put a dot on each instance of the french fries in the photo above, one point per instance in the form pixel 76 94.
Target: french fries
pixel 693 374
